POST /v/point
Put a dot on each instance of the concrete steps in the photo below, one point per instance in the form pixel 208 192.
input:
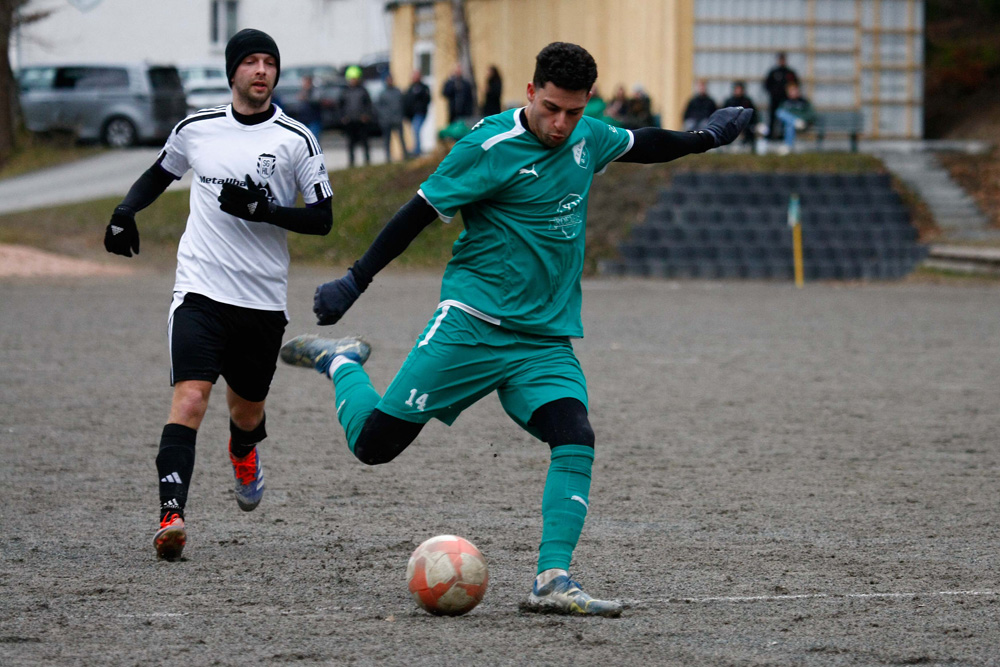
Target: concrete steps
pixel 955 212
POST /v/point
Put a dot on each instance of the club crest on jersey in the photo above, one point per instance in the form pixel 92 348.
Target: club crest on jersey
pixel 265 165
pixel 581 154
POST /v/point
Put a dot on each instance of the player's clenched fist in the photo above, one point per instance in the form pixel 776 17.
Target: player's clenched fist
pixel 249 203
pixel 725 125
pixel 332 299
pixel 121 235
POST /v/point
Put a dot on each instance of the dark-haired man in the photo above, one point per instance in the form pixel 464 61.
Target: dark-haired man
pixel 776 84
pixel 510 297
pixel 229 309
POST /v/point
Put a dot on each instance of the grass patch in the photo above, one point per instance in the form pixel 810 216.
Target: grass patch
pixel 366 197
pixel 38 151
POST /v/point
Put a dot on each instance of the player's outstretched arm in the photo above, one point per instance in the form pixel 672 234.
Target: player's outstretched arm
pixel 334 298
pixel 652 145
pixel 121 236
pixel 252 203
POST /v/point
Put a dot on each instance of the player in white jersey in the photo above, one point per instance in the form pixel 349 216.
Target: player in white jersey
pixel 228 314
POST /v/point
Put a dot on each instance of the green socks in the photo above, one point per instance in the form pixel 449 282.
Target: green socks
pixel 564 505
pixel 355 399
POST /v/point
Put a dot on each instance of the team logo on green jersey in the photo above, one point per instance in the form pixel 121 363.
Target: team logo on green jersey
pixel 581 154
pixel 568 219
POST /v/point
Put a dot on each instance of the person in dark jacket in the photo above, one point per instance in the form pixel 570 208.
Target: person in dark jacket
pixel 776 83
pixel 739 98
pixel 699 108
pixel 389 108
pixel 416 100
pixel 494 92
pixel 458 91
pixel 309 108
pixel 356 112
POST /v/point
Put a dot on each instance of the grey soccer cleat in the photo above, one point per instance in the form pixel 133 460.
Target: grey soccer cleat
pixel 310 351
pixel 562 595
pixel 249 474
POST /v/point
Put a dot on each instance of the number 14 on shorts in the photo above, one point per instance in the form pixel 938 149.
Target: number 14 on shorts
pixel 419 401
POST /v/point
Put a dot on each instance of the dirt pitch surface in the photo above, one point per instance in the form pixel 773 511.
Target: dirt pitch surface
pixel 783 477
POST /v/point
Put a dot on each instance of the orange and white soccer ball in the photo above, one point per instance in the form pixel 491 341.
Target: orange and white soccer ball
pixel 447 575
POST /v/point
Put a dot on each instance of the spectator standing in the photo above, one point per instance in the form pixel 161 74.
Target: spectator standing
pixel 415 103
pixel 597 107
pixel 640 109
pixel 776 83
pixel 309 109
pixel 796 114
pixel 356 112
pixel 494 92
pixel 617 108
pixel 739 98
pixel 389 108
pixel 699 107
pixel 458 91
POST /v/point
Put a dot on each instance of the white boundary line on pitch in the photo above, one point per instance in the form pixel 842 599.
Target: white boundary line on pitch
pixel 815 596
pixel 323 611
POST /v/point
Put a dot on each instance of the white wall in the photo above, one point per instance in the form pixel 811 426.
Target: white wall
pixel 177 31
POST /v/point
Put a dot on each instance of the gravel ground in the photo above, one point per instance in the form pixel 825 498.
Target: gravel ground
pixel 783 477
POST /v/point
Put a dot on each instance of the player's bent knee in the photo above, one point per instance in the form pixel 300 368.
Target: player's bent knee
pixel 373 455
pixel 190 401
pixel 564 422
pixel 574 434
pixel 383 438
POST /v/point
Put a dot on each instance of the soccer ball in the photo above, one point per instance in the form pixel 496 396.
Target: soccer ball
pixel 447 575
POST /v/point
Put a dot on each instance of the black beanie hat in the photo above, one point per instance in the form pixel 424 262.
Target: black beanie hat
pixel 245 42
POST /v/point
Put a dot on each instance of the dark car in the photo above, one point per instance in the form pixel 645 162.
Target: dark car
pixel 119 104
pixel 328 83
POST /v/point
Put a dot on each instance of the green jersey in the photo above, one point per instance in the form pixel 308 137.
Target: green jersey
pixel 519 260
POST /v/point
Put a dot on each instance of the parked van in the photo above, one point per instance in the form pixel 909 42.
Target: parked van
pixel 205 86
pixel 120 105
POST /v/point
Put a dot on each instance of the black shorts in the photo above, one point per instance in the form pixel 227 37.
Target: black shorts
pixel 208 339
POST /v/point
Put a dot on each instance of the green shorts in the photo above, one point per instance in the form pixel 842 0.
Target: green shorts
pixel 459 358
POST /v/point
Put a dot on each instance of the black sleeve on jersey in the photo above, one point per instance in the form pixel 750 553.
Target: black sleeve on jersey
pixel 397 234
pixel 316 219
pixel 652 144
pixel 148 187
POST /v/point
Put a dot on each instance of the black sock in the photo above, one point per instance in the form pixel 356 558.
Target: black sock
pixel 243 442
pixel 174 465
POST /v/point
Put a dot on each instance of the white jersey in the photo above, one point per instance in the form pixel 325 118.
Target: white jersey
pixel 223 257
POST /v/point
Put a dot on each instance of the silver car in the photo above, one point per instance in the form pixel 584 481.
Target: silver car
pixel 120 105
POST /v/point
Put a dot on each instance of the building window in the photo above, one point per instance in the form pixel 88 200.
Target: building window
pixel 222 21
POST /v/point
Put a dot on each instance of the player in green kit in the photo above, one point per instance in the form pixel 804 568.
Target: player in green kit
pixel 510 297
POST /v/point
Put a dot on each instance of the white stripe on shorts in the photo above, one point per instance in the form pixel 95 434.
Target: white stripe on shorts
pixel 434 327
pixel 177 301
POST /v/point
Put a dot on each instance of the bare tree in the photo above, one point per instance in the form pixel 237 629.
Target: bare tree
pixel 10 20
pixel 461 26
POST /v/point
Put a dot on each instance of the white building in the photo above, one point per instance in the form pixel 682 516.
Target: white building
pixel 336 32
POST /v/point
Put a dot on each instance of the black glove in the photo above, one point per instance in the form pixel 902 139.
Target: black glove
pixel 121 235
pixel 725 125
pixel 332 299
pixel 249 203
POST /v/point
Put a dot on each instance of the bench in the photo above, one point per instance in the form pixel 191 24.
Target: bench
pixel 849 122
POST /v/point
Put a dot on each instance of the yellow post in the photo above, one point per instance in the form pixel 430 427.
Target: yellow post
pixel 795 222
